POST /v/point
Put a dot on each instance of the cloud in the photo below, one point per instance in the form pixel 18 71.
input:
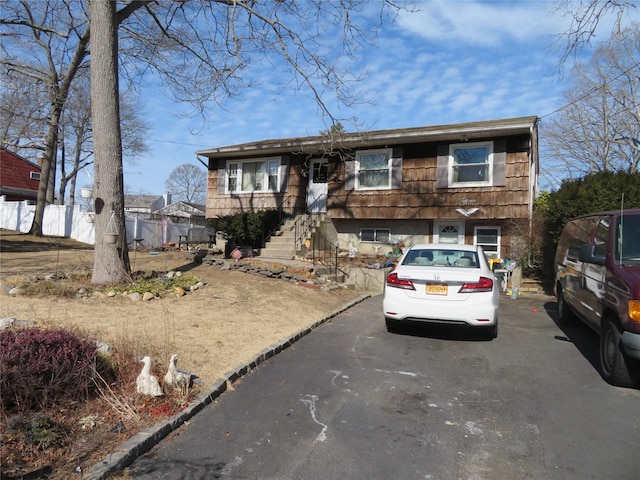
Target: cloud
pixel 477 23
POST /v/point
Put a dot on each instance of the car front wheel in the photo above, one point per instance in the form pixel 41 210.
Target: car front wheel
pixel 613 362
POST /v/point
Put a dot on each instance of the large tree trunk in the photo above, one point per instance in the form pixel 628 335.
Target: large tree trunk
pixel 45 174
pixel 111 264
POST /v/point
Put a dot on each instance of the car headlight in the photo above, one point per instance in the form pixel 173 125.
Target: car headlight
pixel 634 310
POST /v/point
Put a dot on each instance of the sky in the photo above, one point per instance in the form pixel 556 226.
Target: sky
pixel 445 62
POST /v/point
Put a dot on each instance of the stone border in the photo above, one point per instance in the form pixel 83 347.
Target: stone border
pixel 126 453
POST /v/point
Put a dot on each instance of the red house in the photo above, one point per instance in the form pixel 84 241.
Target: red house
pixel 19 178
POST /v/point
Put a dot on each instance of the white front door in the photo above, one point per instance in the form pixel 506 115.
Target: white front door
pixel 317 189
pixel 448 232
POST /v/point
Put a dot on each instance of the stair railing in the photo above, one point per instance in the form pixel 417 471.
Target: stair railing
pixel 302 228
pixel 325 252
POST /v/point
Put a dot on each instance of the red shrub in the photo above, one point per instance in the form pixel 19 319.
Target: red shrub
pixel 40 368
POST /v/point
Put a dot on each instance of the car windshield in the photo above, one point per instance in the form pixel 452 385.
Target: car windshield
pixel 442 257
pixel 628 236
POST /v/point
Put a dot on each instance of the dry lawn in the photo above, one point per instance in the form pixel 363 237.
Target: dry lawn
pixel 213 330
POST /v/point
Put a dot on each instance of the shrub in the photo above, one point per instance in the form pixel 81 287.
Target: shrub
pixel 40 368
pixel 593 193
pixel 248 228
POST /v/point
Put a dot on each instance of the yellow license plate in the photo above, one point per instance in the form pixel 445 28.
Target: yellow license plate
pixel 436 289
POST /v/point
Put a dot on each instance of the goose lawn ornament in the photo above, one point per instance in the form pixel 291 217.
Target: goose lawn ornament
pixel 176 378
pixel 147 384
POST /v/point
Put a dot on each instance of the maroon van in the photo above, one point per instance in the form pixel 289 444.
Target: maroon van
pixel 598 281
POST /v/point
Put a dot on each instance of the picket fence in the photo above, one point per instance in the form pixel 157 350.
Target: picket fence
pixel 72 222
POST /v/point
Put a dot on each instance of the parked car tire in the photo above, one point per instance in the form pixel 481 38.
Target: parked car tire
pixel 613 362
pixel 564 310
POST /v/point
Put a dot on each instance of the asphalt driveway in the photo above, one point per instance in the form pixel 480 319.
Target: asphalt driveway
pixel 351 400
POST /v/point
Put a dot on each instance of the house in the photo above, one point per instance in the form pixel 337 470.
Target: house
pixel 182 212
pixel 142 206
pixel 469 183
pixel 19 178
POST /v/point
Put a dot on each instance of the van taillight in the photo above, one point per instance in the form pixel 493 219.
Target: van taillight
pixel 394 281
pixel 483 285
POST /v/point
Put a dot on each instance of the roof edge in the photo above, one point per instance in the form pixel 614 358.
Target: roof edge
pixel 464 131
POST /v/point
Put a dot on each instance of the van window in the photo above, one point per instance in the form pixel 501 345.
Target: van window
pixel 582 235
pixel 628 239
pixel 601 239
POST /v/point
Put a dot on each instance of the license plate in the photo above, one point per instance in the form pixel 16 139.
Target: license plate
pixel 436 289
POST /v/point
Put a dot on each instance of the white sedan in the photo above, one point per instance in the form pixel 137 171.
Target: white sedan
pixel 442 284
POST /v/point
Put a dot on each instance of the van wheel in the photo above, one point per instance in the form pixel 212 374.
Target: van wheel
pixel 613 362
pixel 564 311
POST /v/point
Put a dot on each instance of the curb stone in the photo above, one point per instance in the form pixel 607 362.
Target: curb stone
pixel 126 453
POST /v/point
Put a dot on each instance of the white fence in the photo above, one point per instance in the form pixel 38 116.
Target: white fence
pixel 72 222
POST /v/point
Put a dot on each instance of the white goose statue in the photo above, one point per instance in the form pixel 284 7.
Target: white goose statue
pixel 146 383
pixel 176 378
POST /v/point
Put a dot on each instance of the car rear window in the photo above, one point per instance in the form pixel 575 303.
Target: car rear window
pixel 447 258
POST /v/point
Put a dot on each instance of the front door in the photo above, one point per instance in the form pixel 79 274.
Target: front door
pixel 317 189
pixel 448 232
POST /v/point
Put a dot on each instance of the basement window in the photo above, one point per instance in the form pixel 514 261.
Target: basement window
pixel 375 235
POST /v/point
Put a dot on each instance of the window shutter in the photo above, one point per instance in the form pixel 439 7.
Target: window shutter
pixel 349 175
pixel 499 163
pixel 396 168
pixel 284 174
pixel 442 173
pixel 221 179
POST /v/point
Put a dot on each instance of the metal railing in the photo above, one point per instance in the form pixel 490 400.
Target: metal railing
pixel 302 227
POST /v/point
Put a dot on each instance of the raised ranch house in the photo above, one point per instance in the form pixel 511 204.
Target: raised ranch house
pixel 370 191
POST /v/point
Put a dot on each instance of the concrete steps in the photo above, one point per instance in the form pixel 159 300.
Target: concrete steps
pixel 282 244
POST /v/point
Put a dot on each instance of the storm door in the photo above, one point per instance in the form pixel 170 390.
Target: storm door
pixel 317 189
pixel 448 232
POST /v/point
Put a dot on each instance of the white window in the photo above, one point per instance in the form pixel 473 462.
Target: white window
pixel 253 175
pixel 489 239
pixel 373 169
pixel 470 164
pixel 375 235
pixel 34 175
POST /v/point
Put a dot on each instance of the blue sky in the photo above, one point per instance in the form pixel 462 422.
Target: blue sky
pixel 447 62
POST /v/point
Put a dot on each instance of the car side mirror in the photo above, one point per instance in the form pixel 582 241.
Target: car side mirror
pixel 587 255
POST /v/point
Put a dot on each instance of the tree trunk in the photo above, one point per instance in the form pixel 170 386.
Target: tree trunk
pixel 111 263
pixel 45 173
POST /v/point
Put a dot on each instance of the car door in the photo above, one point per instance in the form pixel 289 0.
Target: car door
pixel 593 287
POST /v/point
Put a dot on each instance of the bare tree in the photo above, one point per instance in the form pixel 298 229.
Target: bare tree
pixel 108 191
pixel 200 49
pixel 77 135
pixel 46 44
pixel 22 117
pixel 189 183
pixel 599 128
pixel 586 17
